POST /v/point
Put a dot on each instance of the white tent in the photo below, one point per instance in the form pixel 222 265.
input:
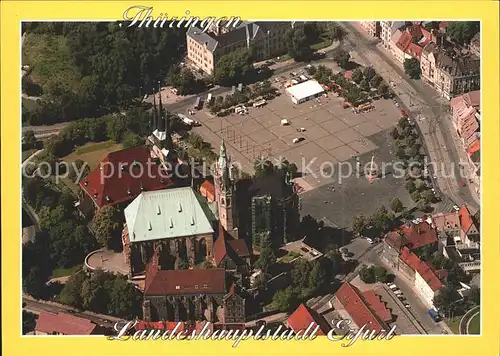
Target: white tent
pixel 304 91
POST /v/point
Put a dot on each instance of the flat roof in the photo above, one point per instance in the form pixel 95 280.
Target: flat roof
pixel 305 89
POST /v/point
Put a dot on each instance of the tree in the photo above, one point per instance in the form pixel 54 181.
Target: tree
pixel 428 196
pixel 184 81
pixel 34 283
pixel 71 293
pixel 267 257
pixel 285 300
pixel 475 295
pixel 29 322
pixel 29 139
pixel 383 89
pixel 318 275
pixel 359 224
pixel 298 44
pixel 396 205
pixel 375 81
pixel 341 57
pixel 412 68
pixel 367 274
pixel 357 75
pixel 382 218
pixel 380 274
pixel 232 68
pixel 108 225
pixel 301 273
pixel 415 195
pixel 124 298
pixel 364 85
pixel 445 300
pixel 131 140
pixel 462 31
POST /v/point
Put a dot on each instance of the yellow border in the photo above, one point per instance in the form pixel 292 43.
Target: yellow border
pixel 15 11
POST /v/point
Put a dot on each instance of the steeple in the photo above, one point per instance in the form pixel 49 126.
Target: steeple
pixel 222 157
pixel 155 112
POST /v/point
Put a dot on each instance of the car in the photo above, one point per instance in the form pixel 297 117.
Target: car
pixel 398 292
pixel 393 287
pixel 369 240
pixel 298 139
pixel 456 207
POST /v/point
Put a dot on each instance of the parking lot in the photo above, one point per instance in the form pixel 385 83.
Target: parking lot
pixel 331 134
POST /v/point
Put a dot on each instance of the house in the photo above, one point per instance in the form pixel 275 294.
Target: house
pixel 172 221
pixel 412 236
pixel 469 232
pixel 406 42
pixel 120 177
pixel 303 317
pixel 63 324
pixel 231 254
pixel 191 295
pixel 267 39
pixel 371 27
pixel 387 29
pixel 361 308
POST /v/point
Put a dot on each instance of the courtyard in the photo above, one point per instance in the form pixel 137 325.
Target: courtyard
pixel 331 134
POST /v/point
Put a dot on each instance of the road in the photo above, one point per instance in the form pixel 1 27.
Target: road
pixel 37 307
pixel 46 131
pixel 423 102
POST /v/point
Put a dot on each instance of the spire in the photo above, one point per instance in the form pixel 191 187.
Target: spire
pixel 155 112
pixel 222 156
pixel 161 119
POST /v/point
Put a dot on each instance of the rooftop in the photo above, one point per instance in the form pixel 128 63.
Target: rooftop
pixel 413 236
pixel 167 213
pixel 226 245
pixel 63 324
pixel 351 299
pixel 466 221
pixel 189 281
pixel 305 89
pixel 422 268
pixel 303 316
pixel 123 175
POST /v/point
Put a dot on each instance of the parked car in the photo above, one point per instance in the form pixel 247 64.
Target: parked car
pixel 393 287
pixel 398 292
pixel 456 207
pixel 369 240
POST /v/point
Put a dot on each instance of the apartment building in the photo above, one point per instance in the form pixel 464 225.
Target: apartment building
pixel 407 42
pixel 268 39
pixel 387 29
pixel 371 27
pixel 450 71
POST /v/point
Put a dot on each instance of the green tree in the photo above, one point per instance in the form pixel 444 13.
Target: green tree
pixel 357 75
pixel 267 257
pixel 364 85
pixel 475 295
pixel 301 273
pixel 369 73
pixel 375 81
pixel 117 128
pixel 462 31
pixel 29 139
pixel 359 223
pixel 108 224
pixel 124 298
pixel 318 275
pixel 131 140
pixel 415 196
pixel 232 68
pixel 396 205
pixel 298 44
pixel 445 300
pixel 34 283
pixel 29 322
pixel 428 196
pixel 71 293
pixel 412 68
pixel 367 274
pixel 285 300
pixel 383 89
pixel 341 57
pixel 380 274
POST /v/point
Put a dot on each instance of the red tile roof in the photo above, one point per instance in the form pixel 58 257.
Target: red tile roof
pixel 413 236
pixel 190 281
pixel 476 146
pixel 465 218
pixel 424 269
pixel 64 324
pixel 374 302
pixel 303 316
pixel 240 247
pixel 120 176
pixel 404 41
pixel 226 244
pixel 414 50
pixel 207 190
pixel 360 312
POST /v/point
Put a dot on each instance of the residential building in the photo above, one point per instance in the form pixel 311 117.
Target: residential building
pixel 407 42
pixel 387 29
pixel 191 295
pixel 303 317
pixel 373 28
pixel 63 324
pixel 120 177
pixel 412 236
pixel 175 222
pixel 466 115
pixel 267 40
pixel 361 308
pixel 450 71
pixel 469 232
pixel 475 45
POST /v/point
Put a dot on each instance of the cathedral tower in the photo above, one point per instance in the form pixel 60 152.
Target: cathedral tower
pixel 225 191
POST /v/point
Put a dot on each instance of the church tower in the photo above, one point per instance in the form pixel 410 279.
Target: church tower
pixel 162 130
pixel 225 191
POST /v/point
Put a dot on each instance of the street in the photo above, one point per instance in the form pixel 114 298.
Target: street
pixel 423 102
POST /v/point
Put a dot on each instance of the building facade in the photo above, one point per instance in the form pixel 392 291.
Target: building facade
pixel 373 28
pixel 387 28
pixel 266 39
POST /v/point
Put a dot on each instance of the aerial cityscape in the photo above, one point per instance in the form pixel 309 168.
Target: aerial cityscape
pixel 276 174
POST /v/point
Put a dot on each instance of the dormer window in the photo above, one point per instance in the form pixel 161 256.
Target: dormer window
pixel 158 211
pixel 192 221
pixel 142 187
pixel 180 208
pixel 129 192
pixel 150 227
pixel 171 223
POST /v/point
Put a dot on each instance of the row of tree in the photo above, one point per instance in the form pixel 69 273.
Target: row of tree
pixel 381 221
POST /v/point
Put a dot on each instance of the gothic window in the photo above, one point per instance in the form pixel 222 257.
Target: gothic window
pixel 202 250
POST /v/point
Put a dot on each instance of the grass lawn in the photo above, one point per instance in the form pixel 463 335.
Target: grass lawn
pixel 63 272
pixel 321 45
pixel 92 153
pixel 475 325
pixel 51 60
pixel 454 323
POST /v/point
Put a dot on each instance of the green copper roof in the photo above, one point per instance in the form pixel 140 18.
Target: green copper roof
pixel 167 214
